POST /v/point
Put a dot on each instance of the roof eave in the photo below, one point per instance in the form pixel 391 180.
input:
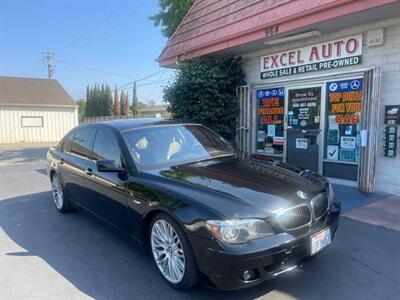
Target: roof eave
pixel 298 21
pixel 38 105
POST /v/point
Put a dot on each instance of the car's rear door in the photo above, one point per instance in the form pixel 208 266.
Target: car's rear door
pixel 78 166
pixel 108 191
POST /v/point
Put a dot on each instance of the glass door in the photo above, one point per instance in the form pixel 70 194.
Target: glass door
pixel 304 127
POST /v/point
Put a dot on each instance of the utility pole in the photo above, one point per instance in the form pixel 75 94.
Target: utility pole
pixel 48 60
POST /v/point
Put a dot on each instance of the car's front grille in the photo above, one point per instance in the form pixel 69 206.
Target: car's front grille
pixel 319 205
pixel 295 217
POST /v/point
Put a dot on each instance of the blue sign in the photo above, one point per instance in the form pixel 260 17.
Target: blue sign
pixel 344 85
pixel 270 93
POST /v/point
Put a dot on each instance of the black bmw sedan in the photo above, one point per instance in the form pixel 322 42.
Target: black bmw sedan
pixel 179 189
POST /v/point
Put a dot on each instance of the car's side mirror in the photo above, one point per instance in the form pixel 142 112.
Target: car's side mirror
pixel 108 166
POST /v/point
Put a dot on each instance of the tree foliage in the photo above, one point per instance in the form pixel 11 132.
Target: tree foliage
pixel 81 109
pixel 117 104
pixel 171 14
pixel 124 104
pixel 135 101
pixel 99 101
pixel 204 91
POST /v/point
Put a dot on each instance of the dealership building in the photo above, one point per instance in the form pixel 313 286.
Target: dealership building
pixel 323 81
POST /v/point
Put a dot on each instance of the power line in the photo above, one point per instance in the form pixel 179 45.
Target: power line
pixel 154 88
pixel 93 28
pixel 109 72
pixel 127 86
pixel 152 82
pixel 92 69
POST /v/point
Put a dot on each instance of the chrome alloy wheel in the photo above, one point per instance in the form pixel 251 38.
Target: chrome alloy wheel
pixel 57 192
pixel 168 251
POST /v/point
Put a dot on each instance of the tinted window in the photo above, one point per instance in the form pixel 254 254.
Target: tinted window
pixel 174 144
pixel 106 148
pixel 66 146
pixel 82 141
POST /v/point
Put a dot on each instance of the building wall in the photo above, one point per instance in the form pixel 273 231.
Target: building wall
pixel 56 122
pixel 386 56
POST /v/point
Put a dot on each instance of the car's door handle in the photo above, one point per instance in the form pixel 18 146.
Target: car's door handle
pixel 89 171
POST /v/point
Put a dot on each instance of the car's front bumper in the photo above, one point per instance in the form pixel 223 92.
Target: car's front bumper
pixel 268 257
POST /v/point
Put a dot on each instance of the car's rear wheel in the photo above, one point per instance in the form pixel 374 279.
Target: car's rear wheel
pixel 172 253
pixel 60 201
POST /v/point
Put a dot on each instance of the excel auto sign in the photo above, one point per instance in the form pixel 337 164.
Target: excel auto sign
pixel 324 56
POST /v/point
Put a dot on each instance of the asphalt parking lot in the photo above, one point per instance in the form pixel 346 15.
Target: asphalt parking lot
pixel 47 255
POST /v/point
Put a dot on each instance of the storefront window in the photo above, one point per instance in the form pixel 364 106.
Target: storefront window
pixel 343 120
pixel 304 108
pixel 270 113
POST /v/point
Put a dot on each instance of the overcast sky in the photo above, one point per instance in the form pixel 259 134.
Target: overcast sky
pixel 103 41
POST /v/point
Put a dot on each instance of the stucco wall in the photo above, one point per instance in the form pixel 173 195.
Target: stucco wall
pixel 56 122
pixel 387 56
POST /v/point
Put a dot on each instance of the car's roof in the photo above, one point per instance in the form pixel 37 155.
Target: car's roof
pixel 126 124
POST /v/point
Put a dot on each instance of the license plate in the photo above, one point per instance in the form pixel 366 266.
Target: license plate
pixel 320 240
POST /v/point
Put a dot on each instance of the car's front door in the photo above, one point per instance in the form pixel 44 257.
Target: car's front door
pixel 303 130
pixel 108 190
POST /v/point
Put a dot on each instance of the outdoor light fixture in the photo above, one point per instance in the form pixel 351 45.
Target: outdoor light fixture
pixel 294 37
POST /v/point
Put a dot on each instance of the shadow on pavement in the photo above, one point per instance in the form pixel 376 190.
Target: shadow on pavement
pixel 103 264
pixel 22 155
pixel 352 198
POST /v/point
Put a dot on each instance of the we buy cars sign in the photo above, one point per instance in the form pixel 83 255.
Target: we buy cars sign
pixel 328 55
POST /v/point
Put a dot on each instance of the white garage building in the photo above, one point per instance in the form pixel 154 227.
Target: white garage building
pixel 34 110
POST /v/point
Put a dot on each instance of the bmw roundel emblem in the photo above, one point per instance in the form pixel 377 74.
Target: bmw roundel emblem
pixel 333 86
pixel 301 195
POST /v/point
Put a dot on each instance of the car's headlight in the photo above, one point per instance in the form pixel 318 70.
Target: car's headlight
pixel 331 194
pixel 239 231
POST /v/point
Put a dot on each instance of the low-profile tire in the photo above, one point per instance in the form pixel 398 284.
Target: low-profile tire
pixel 61 202
pixel 172 253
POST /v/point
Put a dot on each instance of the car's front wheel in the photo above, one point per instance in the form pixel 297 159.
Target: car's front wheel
pixel 61 202
pixel 172 253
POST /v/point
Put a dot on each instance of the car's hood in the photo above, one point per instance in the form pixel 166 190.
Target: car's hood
pixel 238 188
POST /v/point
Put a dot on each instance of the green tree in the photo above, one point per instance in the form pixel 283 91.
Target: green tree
pixel 135 101
pixel 81 109
pixel 171 14
pixel 204 91
pixel 99 101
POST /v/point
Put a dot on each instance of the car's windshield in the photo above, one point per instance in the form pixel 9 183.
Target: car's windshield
pixel 167 145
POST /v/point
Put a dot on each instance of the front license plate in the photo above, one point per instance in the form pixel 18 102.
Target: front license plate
pixel 320 240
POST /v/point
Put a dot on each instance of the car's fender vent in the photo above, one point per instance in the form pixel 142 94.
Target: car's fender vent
pixel 295 217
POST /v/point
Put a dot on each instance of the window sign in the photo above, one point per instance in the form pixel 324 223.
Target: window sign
pixel 304 108
pixel 392 114
pixel 301 143
pixel 270 113
pixel 343 139
pixel 390 141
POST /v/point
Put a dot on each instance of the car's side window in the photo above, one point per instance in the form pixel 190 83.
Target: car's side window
pixel 66 145
pixel 106 148
pixel 82 141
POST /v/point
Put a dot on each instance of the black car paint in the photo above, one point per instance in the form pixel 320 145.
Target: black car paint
pixel 219 188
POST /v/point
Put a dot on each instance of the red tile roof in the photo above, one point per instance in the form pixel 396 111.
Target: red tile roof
pixel 214 25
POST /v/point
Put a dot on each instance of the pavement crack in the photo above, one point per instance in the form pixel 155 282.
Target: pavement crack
pixel 373 270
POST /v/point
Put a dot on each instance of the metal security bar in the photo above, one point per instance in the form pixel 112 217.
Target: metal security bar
pixel 370 122
pixel 243 133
